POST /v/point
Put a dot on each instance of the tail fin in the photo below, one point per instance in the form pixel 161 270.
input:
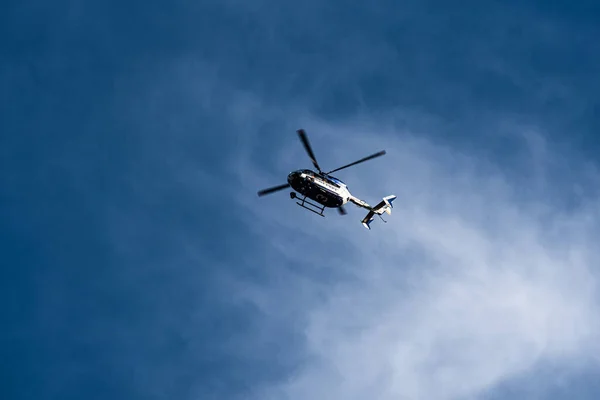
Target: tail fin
pixel 384 205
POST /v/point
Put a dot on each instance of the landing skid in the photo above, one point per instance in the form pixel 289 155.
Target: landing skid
pixel 317 209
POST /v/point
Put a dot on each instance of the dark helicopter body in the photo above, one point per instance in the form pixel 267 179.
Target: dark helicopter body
pixel 326 190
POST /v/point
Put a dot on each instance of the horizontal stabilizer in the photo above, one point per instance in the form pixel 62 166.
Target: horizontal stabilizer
pixel 367 221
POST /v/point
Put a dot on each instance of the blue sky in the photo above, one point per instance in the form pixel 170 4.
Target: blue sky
pixel 139 263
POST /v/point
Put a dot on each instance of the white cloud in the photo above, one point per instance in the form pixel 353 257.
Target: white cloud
pixel 468 284
pixel 476 278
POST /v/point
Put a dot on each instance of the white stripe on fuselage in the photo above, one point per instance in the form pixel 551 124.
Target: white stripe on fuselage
pixel 327 185
pixel 341 191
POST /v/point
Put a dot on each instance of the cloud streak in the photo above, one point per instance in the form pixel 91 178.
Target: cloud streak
pixel 468 286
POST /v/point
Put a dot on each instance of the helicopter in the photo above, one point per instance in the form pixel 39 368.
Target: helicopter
pixel 327 190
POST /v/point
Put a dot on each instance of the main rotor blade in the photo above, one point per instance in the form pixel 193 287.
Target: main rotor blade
pixel 308 148
pixel 381 153
pixel 273 189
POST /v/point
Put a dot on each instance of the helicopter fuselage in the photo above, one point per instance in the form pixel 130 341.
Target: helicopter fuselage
pixel 324 189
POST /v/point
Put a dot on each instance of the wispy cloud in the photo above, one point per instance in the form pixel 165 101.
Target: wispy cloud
pixel 468 285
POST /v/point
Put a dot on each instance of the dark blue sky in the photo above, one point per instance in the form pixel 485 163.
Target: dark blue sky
pixel 117 134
